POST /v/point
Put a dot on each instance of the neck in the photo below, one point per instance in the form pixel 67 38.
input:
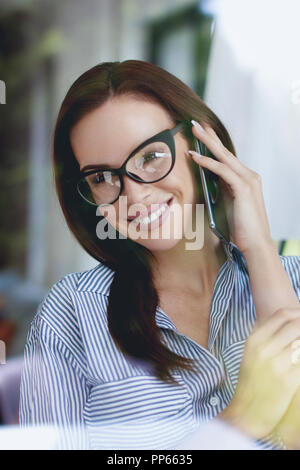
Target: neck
pixel 191 271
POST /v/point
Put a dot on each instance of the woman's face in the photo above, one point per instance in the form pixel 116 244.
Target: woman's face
pixel 107 136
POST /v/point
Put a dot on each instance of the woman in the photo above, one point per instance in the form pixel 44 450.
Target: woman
pixel 158 338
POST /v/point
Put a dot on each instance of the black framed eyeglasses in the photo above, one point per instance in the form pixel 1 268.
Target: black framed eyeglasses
pixel 148 163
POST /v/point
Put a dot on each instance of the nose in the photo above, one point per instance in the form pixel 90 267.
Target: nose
pixel 136 192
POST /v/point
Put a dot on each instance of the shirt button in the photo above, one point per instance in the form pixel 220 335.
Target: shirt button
pixel 214 401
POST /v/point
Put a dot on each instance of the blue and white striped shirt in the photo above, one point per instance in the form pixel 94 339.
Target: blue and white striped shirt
pixel 74 375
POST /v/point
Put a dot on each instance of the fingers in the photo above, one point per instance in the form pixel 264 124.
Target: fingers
pixel 276 375
pixel 227 166
pixel 282 339
pixel 268 327
pixel 270 346
pixel 220 169
pixel 214 144
pixel 282 367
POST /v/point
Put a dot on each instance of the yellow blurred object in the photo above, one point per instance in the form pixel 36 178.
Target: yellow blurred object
pixel 291 247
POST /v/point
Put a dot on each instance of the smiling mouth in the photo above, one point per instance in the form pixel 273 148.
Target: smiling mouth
pixel 153 215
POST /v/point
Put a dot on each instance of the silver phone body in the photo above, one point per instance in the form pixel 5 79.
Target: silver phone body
pixel 222 234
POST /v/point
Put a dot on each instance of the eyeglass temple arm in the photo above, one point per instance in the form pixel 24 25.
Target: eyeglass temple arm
pixel 177 128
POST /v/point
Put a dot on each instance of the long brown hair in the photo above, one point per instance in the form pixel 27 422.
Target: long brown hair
pixel 133 299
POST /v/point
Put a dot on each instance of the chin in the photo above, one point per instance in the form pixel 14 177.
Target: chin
pixel 158 244
pixel 155 240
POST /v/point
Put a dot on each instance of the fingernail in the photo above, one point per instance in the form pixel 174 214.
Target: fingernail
pixel 193 153
pixel 197 125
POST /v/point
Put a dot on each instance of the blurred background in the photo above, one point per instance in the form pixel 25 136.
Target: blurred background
pixel 240 56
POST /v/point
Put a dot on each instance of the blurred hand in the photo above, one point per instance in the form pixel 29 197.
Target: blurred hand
pixel 289 426
pixel 268 380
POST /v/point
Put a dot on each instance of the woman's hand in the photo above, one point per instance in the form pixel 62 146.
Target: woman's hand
pixel 268 379
pixel 289 427
pixel 241 189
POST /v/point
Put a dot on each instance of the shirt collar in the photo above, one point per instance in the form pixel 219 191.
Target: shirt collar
pixel 97 279
pixel 234 256
pixel 100 278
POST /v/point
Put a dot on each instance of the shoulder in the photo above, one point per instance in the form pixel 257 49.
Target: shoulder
pixel 291 265
pixel 291 262
pixel 59 311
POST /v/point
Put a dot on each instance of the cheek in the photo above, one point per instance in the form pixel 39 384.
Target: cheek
pixel 115 218
pixel 110 213
pixel 185 179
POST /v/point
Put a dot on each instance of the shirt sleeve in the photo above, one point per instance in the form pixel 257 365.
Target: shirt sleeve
pixel 53 388
pixel 291 265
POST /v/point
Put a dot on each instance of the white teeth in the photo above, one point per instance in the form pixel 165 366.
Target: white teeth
pixel 153 216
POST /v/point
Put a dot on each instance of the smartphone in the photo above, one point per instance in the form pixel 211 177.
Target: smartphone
pixel 217 220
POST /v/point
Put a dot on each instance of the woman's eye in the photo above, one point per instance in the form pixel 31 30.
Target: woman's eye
pixel 149 156
pixel 97 178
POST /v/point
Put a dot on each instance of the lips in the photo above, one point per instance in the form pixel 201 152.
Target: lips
pixel 150 209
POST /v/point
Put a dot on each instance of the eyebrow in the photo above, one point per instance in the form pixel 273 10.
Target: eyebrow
pixel 106 166
pixel 96 167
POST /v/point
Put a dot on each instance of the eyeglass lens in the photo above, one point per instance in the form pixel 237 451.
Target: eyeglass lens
pixel 150 163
